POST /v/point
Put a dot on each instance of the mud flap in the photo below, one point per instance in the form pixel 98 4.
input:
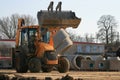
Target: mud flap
pixel 20 63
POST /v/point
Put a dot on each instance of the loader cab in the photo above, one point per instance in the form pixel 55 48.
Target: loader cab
pixel 45 35
pixel 28 36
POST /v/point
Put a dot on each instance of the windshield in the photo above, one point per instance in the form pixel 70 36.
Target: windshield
pixel 28 38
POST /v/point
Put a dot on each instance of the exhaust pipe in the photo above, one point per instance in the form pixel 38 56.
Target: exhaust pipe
pixel 75 61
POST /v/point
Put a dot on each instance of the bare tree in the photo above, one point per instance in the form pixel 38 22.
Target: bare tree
pixel 8 25
pixel 72 36
pixel 14 23
pixel 107 27
pixel 29 20
pixel 78 38
pixel 89 38
pixel 6 28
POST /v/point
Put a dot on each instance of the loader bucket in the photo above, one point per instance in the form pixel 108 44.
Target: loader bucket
pixel 59 19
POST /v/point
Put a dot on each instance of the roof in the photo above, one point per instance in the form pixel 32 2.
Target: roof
pixel 7 40
pixel 7 43
pixel 88 43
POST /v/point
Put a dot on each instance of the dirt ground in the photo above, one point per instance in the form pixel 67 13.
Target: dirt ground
pixel 84 75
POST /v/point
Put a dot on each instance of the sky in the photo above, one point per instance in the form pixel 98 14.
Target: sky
pixel 89 11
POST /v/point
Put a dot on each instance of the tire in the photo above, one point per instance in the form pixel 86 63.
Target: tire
pixel 47 68
pixel 34 65
pixel 118 52
pixel 63 65
pixel 20 63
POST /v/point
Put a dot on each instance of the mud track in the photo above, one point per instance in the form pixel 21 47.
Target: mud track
pixel 77 75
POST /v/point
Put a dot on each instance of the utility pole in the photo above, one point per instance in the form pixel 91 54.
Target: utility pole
pixel 118 37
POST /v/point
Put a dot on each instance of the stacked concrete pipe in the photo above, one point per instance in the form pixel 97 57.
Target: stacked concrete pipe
pixel 75 61
pixel 93 57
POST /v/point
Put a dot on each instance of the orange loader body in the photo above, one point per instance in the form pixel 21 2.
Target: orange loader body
pixel 41 47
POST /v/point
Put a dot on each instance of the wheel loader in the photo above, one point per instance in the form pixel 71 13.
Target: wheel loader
pixel 35 44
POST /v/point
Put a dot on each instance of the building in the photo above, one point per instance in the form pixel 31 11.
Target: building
pixel 6 50
pixel 86 49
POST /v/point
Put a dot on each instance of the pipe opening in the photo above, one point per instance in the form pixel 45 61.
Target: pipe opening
pixel 91 65
pixel 88 58
pixel 101 65
pixel 78 61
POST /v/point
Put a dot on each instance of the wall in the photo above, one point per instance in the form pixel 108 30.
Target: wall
pixel 85 48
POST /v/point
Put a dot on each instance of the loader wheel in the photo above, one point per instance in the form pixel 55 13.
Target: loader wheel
pixel 47 68
pixel 63 65
pixel 34 65
pixel 20 63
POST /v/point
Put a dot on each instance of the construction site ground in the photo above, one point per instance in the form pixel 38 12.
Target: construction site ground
pixel 77 75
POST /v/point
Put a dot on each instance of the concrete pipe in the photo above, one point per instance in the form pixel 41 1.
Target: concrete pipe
pixel 101 65
pixel 94 57
pixel 59 37
pixel 75 61
pixel 113 58
pixel 88 58
pixel 66 44
pixel 114 64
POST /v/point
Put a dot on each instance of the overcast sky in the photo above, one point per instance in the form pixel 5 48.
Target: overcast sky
pixel 89 10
